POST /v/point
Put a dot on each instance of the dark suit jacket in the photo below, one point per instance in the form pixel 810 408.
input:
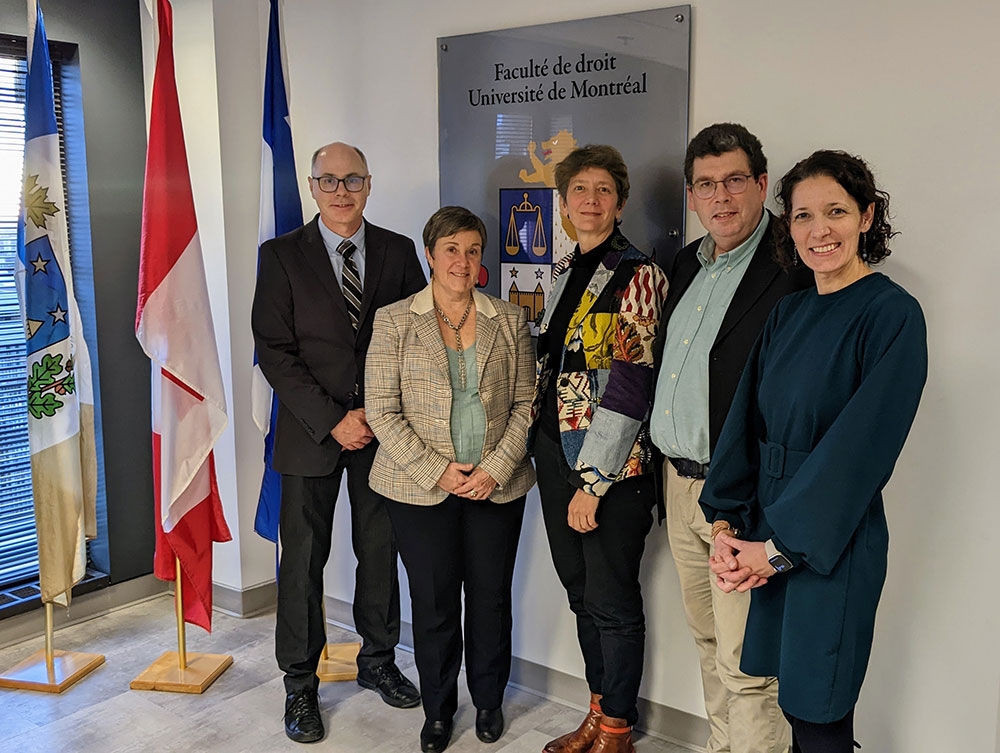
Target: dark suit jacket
pixel 306 346
pixel 762 285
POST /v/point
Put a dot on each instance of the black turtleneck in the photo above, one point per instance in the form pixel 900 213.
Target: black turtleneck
pixel 581 269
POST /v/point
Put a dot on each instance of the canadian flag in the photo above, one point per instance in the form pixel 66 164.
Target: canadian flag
pixel 174 326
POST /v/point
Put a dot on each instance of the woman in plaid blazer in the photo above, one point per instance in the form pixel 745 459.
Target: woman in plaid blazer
pixel 592 446
pixel 448 387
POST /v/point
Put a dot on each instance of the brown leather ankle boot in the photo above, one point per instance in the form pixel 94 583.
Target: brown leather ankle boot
pixel 613 736
pixel 581 739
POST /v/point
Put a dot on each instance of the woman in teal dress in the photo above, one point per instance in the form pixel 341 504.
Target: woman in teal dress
pixel 821 414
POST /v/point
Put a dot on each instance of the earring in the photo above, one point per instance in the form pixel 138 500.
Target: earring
pixel 863 253
pixel 795 258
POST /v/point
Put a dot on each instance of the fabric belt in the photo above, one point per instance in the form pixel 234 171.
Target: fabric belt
pixel 778 461
pixel 689 468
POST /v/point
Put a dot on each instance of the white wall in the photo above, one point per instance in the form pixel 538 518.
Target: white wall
pixel 909 85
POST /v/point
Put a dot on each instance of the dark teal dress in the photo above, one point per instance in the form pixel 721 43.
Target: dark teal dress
pixel 820 416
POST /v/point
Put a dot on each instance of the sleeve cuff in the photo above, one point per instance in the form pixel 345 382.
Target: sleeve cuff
pixel 794 557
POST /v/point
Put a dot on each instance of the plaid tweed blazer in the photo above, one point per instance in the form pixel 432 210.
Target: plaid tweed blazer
pixel 408 398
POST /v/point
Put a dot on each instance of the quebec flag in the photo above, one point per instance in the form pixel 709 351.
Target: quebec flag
pixel 60 391
pixel 280 213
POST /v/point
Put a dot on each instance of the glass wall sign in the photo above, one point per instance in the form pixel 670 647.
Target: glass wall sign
pixel 513 103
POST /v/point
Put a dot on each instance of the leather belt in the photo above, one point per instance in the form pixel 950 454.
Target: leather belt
pixel 689 468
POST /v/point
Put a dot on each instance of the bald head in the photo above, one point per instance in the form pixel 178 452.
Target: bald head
pixel 337 145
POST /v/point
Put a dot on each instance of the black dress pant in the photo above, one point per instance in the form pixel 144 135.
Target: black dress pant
pixel 460 542
pixel 305 527
pixel 600 572
pixel 832 737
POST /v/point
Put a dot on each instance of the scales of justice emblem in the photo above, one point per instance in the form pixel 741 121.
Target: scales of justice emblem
pixel 535 242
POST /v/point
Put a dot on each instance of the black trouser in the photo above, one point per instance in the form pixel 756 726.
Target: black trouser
pixel 600 572
pixel 444 546
pixel 832 737
pixel 305 527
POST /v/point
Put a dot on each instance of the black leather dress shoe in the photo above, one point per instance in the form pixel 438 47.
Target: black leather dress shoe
pixel 489 724
pixel 303 722
pixel 435 736
pixel 391 684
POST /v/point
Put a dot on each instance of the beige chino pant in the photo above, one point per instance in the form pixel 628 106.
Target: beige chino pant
pixel 743 711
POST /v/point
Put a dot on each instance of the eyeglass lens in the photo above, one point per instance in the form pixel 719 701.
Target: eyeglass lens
pixel 705 189
pixel 329 183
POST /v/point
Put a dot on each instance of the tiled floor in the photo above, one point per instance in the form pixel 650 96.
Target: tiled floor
pixel 242 710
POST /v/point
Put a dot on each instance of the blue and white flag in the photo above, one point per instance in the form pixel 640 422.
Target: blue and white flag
pixel 280 212
pixel 60 391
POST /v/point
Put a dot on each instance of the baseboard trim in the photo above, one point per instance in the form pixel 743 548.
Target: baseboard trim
pixel 658 720
pixel 22 627
pixel 247 602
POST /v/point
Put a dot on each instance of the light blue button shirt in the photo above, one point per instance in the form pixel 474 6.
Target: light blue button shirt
pixel 331 240
pixel 680 419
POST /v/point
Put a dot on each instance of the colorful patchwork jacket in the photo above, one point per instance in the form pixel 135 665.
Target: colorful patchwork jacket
pixel 605 385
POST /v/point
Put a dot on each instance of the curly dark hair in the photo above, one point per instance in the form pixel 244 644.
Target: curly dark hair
pixel 722 138
pixel 855 177
pixel 593 155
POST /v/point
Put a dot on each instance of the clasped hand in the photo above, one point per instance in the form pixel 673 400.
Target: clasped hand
pixel 352 432
pixel 739 565
pixel 467 480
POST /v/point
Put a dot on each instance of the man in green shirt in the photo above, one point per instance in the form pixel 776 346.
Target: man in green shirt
pixel 722 289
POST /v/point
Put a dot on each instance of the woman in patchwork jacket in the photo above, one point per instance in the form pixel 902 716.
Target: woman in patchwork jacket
pixel 590 423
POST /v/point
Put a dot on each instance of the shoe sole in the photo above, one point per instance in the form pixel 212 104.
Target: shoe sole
pixel 389 699
pixel 305 739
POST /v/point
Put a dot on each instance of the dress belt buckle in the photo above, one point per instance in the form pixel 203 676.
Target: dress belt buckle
pixel 774 459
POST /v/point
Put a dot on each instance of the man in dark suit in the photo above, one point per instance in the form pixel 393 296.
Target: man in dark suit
pixel 318 288
pixel 721 290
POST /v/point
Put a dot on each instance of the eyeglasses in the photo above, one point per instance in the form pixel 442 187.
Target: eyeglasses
pixel 330 183
pixel 705 189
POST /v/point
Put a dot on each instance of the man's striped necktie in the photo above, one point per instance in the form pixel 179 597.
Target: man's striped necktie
pixel 351 282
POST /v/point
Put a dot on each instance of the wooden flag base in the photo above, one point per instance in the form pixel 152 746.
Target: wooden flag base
pixel 201 670
pixel 178 671
pixel 34 673
pixel 339 662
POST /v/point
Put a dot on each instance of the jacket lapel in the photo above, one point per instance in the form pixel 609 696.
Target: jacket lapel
pixel 314 251
pixel 375 258
pixel 426 327
pixel 486 332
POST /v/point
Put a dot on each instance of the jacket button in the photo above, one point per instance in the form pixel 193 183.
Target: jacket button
pixel 350 396
pixel 564 382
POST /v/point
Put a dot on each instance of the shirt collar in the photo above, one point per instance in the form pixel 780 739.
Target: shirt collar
pixel 331 240
pixel 706 250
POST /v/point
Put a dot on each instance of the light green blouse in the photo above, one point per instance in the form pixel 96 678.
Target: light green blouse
pixel 468 419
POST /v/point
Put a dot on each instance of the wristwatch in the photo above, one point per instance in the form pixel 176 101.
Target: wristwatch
pixel 776 559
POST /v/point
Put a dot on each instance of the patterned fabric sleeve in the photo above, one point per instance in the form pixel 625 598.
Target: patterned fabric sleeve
pixel 626 400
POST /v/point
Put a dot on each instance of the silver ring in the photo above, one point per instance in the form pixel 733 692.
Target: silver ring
pixel 473 493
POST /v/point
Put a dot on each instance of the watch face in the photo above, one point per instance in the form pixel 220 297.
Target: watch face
pixel 780 563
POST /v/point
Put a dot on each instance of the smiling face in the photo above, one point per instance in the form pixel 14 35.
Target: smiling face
pixel 341 210
pixel 825 223
pixel 729 218
pixel 454 262
pixel 591 204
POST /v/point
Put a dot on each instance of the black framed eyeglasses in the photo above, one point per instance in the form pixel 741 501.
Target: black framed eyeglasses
pixel 705 188
pixel 330 183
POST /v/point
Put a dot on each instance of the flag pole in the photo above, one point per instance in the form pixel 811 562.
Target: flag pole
pixel 50 670
pixel 179 609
